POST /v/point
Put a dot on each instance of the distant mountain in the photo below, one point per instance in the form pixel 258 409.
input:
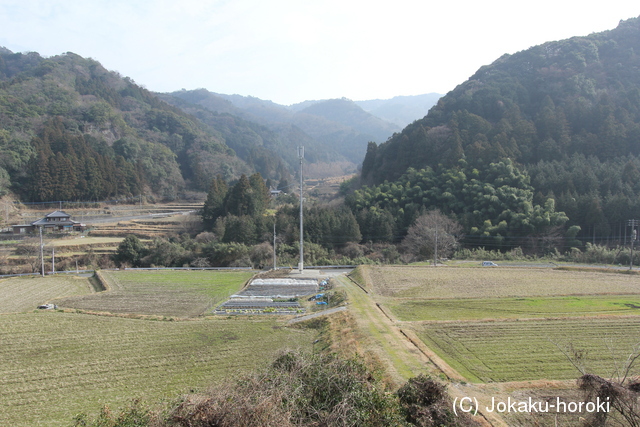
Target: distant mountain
pixel 337 126
pixel 272 151
pixel 343 126
pixel 401 110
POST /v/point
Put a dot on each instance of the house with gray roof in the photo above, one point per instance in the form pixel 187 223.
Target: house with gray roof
pixel 57 221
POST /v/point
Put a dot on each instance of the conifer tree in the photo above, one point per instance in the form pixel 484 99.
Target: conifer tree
pixel 214 205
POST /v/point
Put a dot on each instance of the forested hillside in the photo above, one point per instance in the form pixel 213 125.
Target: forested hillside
pixel 565 116
pixel 71 130
pixel 265 147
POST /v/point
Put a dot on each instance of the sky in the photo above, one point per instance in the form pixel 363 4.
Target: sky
pixel 289 51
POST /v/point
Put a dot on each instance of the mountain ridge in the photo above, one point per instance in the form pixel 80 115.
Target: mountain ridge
pixel 339 124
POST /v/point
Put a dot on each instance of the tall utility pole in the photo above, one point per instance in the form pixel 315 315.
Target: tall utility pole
pixel 41 251
pixel 301 264
pixel 274 244
pixel 633 223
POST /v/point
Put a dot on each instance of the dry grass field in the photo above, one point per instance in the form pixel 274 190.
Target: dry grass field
pixel 452 282
pixel 55 365
pixel 26 293
pixel 176 293
pixel 514 308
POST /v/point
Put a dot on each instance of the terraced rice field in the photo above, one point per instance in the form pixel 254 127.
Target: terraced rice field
pixel 164 293
pixel 54 365
pixel 500 324
pixel 525 350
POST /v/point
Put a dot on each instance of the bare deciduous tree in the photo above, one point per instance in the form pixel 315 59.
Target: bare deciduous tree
pixel 29 251
pixel 428 229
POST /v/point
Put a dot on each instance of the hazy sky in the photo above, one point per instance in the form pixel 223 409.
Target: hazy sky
pixel 289 51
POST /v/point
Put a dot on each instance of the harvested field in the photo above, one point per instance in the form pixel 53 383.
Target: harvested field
pixel 452 282
pixel 26 293
pixel 165 293
pixel 524 350
pixel 54 365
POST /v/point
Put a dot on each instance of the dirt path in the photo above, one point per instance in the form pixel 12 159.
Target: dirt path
pixel 317 314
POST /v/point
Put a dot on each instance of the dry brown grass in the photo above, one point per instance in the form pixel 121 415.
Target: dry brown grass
pixel 452 282
pixel 26 293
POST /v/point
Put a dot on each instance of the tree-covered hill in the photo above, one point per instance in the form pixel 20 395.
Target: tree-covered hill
pixel 268 146
pixel 566 113
pixel 343 126
pixel 72 130
pixel 335 130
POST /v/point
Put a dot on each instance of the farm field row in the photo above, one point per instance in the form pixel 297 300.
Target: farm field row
pixel 526 350
pixel 163 293
pixel 67 363
pixel 513 308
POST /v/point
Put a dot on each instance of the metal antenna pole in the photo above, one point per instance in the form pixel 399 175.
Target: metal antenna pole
pixel 301 264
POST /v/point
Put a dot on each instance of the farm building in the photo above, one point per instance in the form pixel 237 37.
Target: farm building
pixel 55 221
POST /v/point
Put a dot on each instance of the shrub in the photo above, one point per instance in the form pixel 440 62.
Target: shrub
pixel 426 402
pixel 298 389
pixel 136 415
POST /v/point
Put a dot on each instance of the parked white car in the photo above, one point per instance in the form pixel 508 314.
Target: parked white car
pixel 489 264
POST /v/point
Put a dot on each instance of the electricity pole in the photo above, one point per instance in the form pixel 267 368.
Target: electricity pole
pixel 274 243
pixel 41 251
pixel 301 264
